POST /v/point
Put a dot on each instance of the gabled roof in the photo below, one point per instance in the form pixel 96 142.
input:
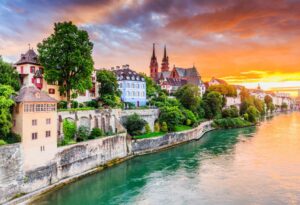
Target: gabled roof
pixel 164 74
pixel 32 94
pixel 220 81
pixel 30 57
pixel 174 82
pixel 187 72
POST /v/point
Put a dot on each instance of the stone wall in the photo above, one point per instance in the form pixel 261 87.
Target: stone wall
pixel 142 146
pixel 76 159
pixel 11 174
pixel 150 115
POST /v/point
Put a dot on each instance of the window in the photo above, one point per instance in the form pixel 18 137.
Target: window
pixel 34 136
pixel 42 148
pixel 48 121
pixel 34 123
pixel 32 80
pixel 132 85
pixel 120 85
pixel 32 69
pixel 48 133
pixel 51 91
pixel 128 86
pixel 128 93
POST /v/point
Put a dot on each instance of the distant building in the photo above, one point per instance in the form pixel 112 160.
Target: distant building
pixel 132 85
pixel 216 81
pixel 35 119
pixel 177 77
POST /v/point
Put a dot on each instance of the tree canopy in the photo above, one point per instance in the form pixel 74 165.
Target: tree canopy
pixel 189 96
pixel 109 93
pixel 152 89
pixel 134 124
pixel 8 75
pixel 66 56
pixel 6 102
pixel 212 104
pixel 225 90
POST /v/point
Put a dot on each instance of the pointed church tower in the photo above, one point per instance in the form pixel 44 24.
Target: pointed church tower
pixel 165 61
pixel 153 65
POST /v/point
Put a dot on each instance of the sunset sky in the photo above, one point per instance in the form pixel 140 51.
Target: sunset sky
pixel 243 42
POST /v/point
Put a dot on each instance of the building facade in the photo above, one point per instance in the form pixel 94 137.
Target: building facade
pixel 132 85
pixel 35 119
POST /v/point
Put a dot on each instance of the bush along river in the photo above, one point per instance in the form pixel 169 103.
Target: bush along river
pixel 253 165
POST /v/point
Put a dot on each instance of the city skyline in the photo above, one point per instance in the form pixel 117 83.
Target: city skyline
pixel 241 42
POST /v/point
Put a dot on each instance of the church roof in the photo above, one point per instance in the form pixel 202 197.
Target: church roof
pixel 164 74
pixel 30 57
pixel 187 72
pixel 32 94
pixel 174 82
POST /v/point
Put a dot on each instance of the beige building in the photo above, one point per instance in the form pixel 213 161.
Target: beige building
pixel 35 119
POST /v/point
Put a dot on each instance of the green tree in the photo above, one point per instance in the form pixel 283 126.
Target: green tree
pixel 230 112
pixel 69 130
pixel 6 102
pixel 212 104
pixel 259 105
pixel 8 75
pixel 96 132
pixel 66 56
pixel 172 116
pixel 225 90
pixel 109 93
pixel 152 89
pixel 253 114
pixel 134 124
pixel 83 133
pixel 189 96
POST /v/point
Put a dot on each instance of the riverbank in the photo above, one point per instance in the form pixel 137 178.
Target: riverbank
pixel 134 148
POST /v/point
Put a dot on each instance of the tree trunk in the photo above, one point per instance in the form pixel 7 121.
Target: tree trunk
pixel 69 98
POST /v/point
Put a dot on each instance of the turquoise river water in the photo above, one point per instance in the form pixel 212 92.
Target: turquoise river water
pixel 256 165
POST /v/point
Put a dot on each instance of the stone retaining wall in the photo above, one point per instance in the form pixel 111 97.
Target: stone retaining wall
pixel 142 146
pixel 11 174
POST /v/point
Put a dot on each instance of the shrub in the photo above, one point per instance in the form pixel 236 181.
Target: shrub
pixel 232 111
pixel 156 127
pixel 253 114
pixel 74 104
pixel 83 133
pixel 69 129
pixel 134 124
pixel 81 105
pixel 188 122
pixel 189 117
pixel 95 133
pixel 12 138
pixel 2 142
pixel 172 116
pixel 92 103
pixel 147 129
pixel 164 127
pixel 62 104
pixel 231 123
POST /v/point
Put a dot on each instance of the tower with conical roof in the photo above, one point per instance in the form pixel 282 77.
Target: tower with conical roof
pixel 165 61
pixel 153 65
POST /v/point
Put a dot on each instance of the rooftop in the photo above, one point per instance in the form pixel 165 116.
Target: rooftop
pixel 32 94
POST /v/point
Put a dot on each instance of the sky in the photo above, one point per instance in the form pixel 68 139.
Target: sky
pixel 243 42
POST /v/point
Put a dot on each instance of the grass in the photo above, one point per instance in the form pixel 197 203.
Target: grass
pixel 179 128
pixel 149 135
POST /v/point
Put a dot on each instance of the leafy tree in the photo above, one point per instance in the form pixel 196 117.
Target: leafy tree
pixel 108 91
pixel 225 90
pixel 6 102
pixel 253 114
pixel 134 124
pixel 189 116
pixel 8 75
pixel 212 104
pixel 152 89
pixel 172 116
pixel 189 96
pixel 66 56
pixel 69 130
pixel 259 105
pixel 231 112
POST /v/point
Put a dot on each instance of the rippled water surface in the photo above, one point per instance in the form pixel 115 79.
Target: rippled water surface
pixel 242 166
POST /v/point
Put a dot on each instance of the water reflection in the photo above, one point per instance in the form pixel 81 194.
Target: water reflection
pixel 239 166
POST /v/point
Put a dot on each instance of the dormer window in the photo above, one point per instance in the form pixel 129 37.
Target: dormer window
pixel 37 95
pixel 32 69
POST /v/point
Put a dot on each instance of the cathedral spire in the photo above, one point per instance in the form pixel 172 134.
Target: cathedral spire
pixel 153 65
pixel 153 54
pixel 165 61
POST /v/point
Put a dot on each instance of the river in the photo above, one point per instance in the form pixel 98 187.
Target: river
pixel 256 165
